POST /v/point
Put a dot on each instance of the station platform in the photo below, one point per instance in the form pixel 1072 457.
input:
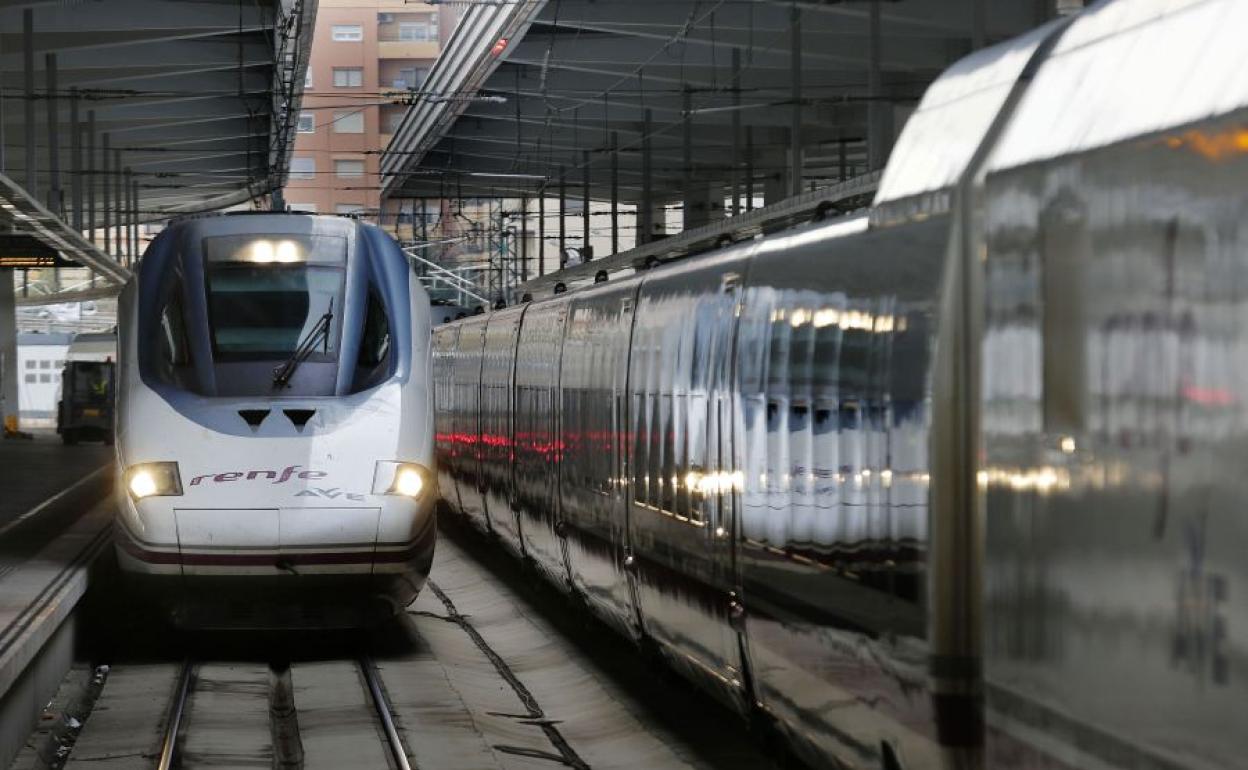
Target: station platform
pixel 34 470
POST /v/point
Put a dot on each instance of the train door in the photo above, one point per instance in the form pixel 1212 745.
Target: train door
pixel 536 449
pixel 466 465
pixel 834 372
pixel 498 370
pixel 593 449
pixel 446 448
pixel 679 525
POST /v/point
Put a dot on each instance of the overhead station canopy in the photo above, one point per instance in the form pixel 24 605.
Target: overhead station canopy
pixel 715 93
pixel 196 100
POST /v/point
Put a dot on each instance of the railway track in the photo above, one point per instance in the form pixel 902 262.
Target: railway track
pixel 287 746
pixel 469 678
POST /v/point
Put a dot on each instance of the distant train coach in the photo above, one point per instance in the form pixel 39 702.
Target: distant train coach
pixel 274 433
pixel 956 482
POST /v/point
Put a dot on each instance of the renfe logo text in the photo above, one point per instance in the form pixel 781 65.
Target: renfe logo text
pixel 284 476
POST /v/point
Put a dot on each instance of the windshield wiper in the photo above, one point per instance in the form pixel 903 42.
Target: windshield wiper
pixel 283 373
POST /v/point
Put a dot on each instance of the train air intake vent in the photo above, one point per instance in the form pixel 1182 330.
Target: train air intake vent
pixel 299 417
pixel 253 417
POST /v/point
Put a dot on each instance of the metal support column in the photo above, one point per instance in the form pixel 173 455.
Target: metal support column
pixel 524 238
pixel 135 249
pixel 686 143
pixel 107 187
pixel 120 201
pixel 563 221
pixel 615 192
pixel 56 203
pixel 90 175
pixel 90 182
pixel 8 353
pixel 876 150
pixel 586 249
pixel 735 163
pixel 795 128
pixel 541 231
pixel 28 83
pixel 979 24
pixel 645 212
pixel 75 160
pixel 127 216
pixel 749 168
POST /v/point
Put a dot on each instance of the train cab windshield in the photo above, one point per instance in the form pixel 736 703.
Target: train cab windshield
pixel 268 314
pixel 266 296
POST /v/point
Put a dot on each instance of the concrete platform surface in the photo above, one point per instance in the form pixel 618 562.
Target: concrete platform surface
pixel 33 470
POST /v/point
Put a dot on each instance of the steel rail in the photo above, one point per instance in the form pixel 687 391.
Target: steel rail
pixel 382 707
pixel 174 719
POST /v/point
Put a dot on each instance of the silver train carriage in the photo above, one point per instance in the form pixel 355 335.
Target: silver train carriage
pixel 952 484
pixel 274 424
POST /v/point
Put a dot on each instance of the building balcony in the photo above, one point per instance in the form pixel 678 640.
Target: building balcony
pixel 405 49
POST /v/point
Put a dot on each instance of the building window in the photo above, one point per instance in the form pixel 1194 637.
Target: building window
pixel 307 78
pixel 349 122
pixel 30 363
pixel 348 33
pixel 31 377
pixel 45 378
pixel 45 364
pixel 349 208
pixel 349 168
pixel 412 77
pixel 302 168
pixel 307 123
pixel 348 77
pixel 393 121
pixel 417 31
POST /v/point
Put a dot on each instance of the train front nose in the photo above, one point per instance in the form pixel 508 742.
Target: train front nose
pixel 275 540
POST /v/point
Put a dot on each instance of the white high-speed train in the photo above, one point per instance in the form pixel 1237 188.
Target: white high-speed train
pixel 957 483
pixel 274 426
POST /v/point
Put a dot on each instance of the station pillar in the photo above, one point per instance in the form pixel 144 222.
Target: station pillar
pixel 8 352
pixel 651 222
pixel 703 204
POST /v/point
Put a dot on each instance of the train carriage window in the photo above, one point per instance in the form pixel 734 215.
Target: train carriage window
pixel 173 344
pixel 374 356
pixel 172 360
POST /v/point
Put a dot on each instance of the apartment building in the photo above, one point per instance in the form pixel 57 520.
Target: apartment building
pixel 366 58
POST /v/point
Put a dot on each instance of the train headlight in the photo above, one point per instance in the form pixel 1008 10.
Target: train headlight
pixel 402 479
pixel 153 479
pixel 408 482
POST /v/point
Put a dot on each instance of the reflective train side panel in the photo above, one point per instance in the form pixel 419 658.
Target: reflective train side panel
pixel 1115 400
pixel 274 428
pixel 954 484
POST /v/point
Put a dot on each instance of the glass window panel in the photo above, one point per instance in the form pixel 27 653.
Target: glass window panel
pixel 302 168
pixel 349 122
pixel 349 168
pixel 348 77
pixel 348 32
